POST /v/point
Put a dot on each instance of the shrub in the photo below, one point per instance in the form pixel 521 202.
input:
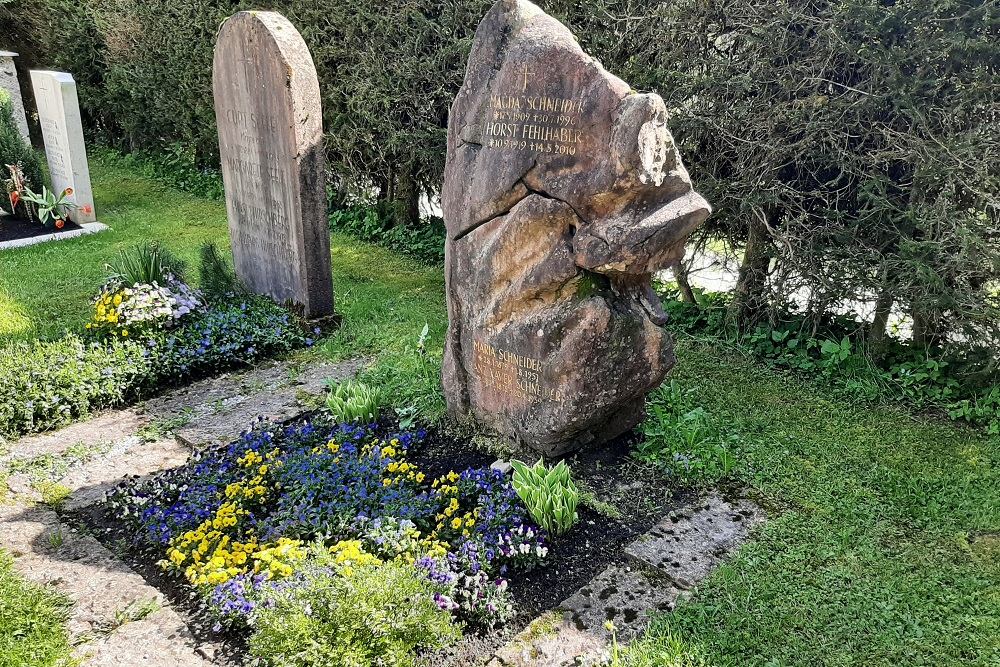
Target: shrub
pixel 14 151
pixel 549 494
pixel 379 615
pixel 48 384
pixel 226 334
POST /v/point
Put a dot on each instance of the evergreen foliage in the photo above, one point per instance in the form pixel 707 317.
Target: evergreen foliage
pixel 851 147
pixel 15 151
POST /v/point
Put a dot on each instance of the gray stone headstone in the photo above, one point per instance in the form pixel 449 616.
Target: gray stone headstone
pixel 563 193
pixel 267 106
pixel 62 130
pixel 8 81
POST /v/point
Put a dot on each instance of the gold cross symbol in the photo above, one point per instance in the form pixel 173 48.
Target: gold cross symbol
pixel 526 73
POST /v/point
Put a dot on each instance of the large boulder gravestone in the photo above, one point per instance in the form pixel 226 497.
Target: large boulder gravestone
pixel 563 193
pixel 267 107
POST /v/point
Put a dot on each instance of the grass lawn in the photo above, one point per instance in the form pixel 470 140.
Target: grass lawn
pixel 885 547
pixel 884 544
pixel 31 622
pixel 45 289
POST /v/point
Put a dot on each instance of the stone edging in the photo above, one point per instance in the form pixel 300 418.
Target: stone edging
pixel 86 228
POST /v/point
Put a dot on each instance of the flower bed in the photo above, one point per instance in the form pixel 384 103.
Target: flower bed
pixel 145 334
pixel 286 531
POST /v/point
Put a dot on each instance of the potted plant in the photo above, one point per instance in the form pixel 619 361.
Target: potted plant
pixel 51 208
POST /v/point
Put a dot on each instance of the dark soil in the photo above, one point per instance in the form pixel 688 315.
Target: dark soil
pixel 630 499
pixel 13 228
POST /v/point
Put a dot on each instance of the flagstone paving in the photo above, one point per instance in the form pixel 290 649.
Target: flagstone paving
pixel 660 568
pixel 216 411
pixel 117 619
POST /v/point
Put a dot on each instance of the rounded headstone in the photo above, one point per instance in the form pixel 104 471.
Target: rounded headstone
pixel 267 106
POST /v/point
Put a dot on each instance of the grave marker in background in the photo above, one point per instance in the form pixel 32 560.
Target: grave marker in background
pixel 563 193
pixel 8 81
pixel 62 130
pixel 268 110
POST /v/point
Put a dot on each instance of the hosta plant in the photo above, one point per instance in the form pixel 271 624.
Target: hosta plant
pixel 549 494
pixel 352 402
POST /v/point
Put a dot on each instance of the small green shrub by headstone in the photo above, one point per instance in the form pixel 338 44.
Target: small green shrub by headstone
pixel 380 615
pixel 14 151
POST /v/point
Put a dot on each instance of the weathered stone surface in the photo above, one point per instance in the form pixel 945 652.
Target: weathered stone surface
pixel 550 641
pixel 674 556
pixel 622 595
pixel 102 428
pixel 218 410
pixel 101 588
pixel 267 106
pixel 90 482
pixel 62 130
pixel 687 545
pixel 563 193
pixel 9 82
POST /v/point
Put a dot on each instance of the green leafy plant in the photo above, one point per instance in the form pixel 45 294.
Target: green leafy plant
pixel 52 209
pixel 549 494
pixel 145 264
pixel 353 401
pixel 681 440
pixel 380 615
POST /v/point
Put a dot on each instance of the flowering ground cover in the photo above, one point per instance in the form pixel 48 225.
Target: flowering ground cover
pixel 145 332
pixel 294 534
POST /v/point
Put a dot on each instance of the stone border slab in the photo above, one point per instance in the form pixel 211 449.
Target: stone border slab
pixel 86 229
pixel 622 595
pixel 102 589
pixel 688 544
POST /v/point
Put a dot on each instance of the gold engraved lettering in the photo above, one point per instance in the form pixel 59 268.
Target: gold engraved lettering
pixel 511 374
pixel 534 123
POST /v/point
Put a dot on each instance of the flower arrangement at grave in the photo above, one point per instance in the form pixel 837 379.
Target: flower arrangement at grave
pixel 251 524
pixel 143 306
pixel 52 209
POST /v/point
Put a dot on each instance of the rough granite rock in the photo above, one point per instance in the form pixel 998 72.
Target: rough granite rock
pixel 563 193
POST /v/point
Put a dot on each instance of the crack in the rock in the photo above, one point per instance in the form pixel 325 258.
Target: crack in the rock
pixel 545 195
pixel 528 191
pixel 493 217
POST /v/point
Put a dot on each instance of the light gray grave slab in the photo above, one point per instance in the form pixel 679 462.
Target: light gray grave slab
pixel 65 149
pixel 687 545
